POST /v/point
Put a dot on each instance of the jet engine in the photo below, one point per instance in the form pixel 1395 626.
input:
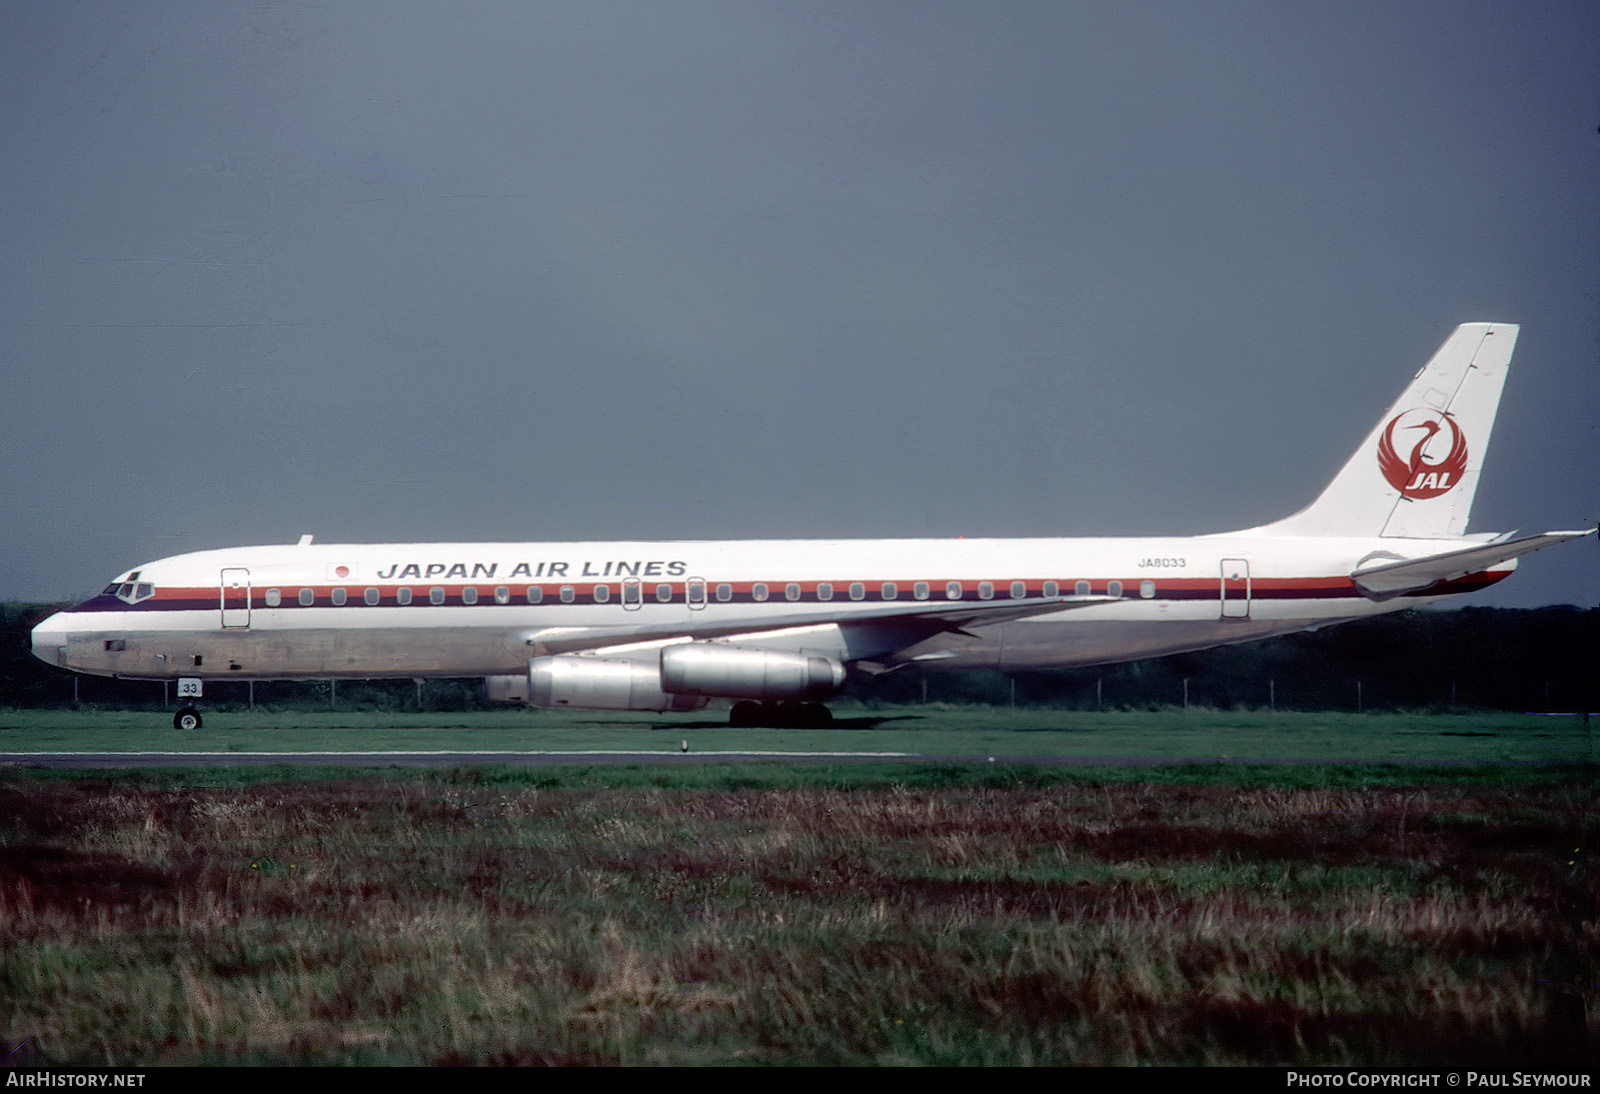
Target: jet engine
pixel 590 683
pixel 685 678
pixel 734 672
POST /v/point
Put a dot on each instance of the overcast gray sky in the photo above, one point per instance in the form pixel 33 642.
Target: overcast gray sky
pixel 595 270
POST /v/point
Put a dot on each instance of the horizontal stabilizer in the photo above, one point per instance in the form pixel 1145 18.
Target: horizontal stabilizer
pixel 1391 579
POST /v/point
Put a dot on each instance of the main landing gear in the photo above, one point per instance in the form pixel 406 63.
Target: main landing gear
pixel 187 718
pixel 780 715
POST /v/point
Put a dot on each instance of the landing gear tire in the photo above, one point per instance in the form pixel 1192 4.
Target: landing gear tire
pixel 187 718
pixel 815 716
pixel 747 714
pixel 800 716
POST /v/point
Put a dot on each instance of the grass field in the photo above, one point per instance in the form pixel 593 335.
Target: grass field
pixel 963 916
pixel 815 913
pixel 979 731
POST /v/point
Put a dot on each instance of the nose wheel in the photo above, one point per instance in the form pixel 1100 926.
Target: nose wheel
pixel 187 718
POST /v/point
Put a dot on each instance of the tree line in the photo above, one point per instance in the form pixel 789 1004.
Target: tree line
pixel 1539 659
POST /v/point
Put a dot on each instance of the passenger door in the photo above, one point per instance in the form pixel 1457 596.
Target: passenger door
pixel 1235 588
pixel 235 598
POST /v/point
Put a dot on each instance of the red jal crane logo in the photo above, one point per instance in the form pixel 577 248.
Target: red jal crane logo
pixel 1428 433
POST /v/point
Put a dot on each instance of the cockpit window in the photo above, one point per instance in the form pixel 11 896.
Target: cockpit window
pixel 131 592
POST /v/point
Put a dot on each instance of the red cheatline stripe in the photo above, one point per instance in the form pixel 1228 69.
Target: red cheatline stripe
pixel 1171 588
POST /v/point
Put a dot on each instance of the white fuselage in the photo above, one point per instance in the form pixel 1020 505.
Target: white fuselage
pixel 666 626
pixel 482 609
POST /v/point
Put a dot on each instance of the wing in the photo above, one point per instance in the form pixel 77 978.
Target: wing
pixel 871 631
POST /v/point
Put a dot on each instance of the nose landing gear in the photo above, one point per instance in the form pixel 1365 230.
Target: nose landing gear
pixel 189 687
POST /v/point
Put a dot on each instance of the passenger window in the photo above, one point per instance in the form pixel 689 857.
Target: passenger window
pixel 858 591
pixel 274 598
pixel 985 590
pixel 920 590
pixel 502 595
pixel 436 595
pixel 338 597
pixel 791 591
pixel 694 591
pixel 1019 589
pixel 724 592
pixel 664 593
pixel 568 595
pixel 1081 589
pixel 1114 589
pixel 758 591
pixel 469 595
pixel 371 596
pixel 602 593
pixel 632 593
pixel 402 596
pixel 889 590
pixel 535 594
pixel 825 590
pixel 952 590
pixel 1147 589
pixel 308 597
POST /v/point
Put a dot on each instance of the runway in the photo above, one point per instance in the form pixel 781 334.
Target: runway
pixel 419 758
pixel 442 758
pixel 457 758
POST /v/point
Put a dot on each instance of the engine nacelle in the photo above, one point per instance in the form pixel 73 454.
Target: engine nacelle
pixel 506 689
pixel 589 683
pixel 734 672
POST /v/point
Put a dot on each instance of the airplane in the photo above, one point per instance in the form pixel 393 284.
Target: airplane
pixel 778 626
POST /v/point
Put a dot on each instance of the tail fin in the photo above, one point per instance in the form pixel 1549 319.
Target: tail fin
pixel 1416 473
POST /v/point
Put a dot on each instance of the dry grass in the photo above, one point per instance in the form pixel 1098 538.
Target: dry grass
pixel 412 921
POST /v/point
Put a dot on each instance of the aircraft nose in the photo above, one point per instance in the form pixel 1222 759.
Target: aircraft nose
pixel 48 639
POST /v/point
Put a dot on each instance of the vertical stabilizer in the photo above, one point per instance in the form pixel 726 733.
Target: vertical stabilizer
pixel 1416 473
